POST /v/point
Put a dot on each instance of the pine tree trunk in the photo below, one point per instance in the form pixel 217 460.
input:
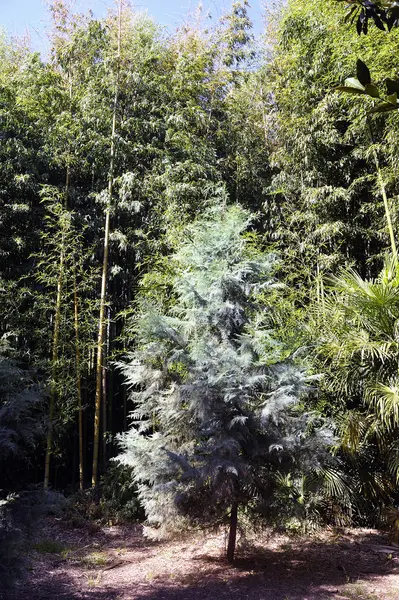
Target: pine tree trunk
pixel 233 532
pixel 104 276
pixel 54 358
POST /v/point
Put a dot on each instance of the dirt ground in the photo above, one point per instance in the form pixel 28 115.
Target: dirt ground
pixel 120 563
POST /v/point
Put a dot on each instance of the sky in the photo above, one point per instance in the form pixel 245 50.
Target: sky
pixel 19 16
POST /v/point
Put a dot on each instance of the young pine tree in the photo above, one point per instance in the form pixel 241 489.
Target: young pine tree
pixel 215 414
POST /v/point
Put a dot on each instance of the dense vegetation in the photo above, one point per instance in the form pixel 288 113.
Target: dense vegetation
pixel 198 266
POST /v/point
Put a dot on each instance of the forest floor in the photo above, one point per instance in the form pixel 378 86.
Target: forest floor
pixel 119 563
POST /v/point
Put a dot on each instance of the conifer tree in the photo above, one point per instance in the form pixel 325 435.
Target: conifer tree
pixel 216 413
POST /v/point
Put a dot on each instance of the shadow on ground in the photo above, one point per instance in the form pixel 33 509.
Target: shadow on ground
pixel 309 571
pixel 340 569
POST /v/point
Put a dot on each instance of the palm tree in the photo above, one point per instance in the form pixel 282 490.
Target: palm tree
pixel 358 329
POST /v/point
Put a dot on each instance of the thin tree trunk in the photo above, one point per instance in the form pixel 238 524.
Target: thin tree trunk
pixel 106 382
pixel 318 285
pixel 384 197
pixel 319 291
pixel 54 358
pixel 74 461
pixel 101 320
pixel 56 335
pixel 233 532
pixel 104 414
pixel 110 396
pixel 78 382
pixel 386 207
pixel 100 340
pixel 110 374
pixel 124 409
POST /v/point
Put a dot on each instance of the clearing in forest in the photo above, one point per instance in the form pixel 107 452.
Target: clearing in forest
pixel 119 563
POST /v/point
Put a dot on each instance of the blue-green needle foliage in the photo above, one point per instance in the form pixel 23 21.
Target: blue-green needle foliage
pixel 217 413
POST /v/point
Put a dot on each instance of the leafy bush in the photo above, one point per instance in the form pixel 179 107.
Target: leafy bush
pixel 357 333
pixel 113 501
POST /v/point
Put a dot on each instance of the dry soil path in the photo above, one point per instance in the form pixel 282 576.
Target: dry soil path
pixel 119 563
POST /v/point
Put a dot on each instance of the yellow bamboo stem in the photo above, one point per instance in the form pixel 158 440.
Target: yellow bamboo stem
pixel 384 197
pixel 386 207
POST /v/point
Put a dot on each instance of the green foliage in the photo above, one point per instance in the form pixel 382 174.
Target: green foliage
pixel 326 193
pixel 119 502
pixel 21 412
pixel 358 350
pixel 238 35
pixel 363 86
pixel 221 334
pixel 114 501
pixel 184 140
pixel 333 168
pixel 217 410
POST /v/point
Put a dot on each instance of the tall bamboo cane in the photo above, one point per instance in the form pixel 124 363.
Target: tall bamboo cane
pixel 101 320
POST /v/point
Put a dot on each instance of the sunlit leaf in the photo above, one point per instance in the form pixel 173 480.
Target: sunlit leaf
pixel 393 98
pixel 354 83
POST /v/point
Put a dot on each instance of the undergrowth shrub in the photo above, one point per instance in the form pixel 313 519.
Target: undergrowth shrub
pixel 114 501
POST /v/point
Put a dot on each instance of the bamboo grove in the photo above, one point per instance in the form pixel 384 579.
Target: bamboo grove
pixel 112 150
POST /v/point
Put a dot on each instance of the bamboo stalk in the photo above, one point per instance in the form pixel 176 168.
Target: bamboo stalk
pixel 104 276
pixel 110 373
pixel 124 409
pixel 54 358
pixel 76 320
pixel 104 414
pixel 56 334
pixel 384 197
pixel 78 381
pixel 386 207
